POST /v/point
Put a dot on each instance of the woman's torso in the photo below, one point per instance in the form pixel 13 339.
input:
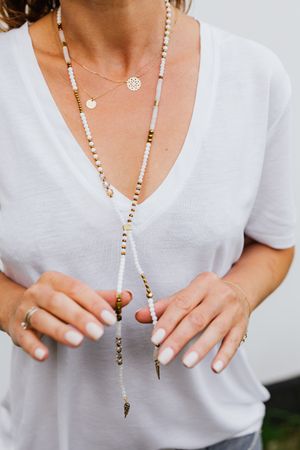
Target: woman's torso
pixel 55 216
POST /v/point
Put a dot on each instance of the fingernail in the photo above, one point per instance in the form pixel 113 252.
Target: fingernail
pixel 94 330
pixel 108 317
pixel 166 355
pixel 158 336
pixel 39 353
pixel 73 337
pixel 130 293
pixel 218 366
pixel 190 359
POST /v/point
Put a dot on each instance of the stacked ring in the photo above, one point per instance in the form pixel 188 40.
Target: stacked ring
pixel 26 322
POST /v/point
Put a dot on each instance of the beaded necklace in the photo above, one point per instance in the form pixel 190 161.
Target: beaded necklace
pixel 127 226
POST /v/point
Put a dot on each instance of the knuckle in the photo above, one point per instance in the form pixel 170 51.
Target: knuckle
pixel 78 318
pixel 95 306
pixel 221 328
pixel 75 288
pixel 46 277
pixel 181 302
pixel 21 339
pixel 54 301
pixel 234 342
pixel 58 332
pixel 209 276
pixel 227 355
pixel 197 319
pixel 228 293
pixel 32 292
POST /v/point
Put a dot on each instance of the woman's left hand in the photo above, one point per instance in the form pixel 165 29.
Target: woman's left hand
pixel 207 303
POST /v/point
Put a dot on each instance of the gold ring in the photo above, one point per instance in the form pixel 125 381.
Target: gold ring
pixel 244 338
pixel 26 322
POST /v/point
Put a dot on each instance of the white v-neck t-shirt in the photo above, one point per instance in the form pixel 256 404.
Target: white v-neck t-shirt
pixel 233 176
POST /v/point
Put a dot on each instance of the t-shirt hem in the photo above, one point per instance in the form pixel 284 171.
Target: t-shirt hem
pixel 255 427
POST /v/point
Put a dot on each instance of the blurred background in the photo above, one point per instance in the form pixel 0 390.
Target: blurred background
pixel 274 333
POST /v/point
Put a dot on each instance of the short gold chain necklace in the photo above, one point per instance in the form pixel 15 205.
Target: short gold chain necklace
pixel 127 226
pixel 133 83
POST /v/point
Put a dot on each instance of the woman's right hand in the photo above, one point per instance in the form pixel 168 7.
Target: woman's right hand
pixel 67 311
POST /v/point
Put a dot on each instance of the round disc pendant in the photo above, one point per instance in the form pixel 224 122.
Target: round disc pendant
pixel 134 83
pixel 91 103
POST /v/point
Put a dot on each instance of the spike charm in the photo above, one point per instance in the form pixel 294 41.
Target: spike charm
pixel 126 409
pixel 156 362
pixel 157 368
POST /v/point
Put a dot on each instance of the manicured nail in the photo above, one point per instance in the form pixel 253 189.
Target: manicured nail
pixel 94 330
pixel 39 353
pixel 190 359
pixel 130 293
pixel 166 355
pixel 108 317
pixel 158 336
pixel 73 337
pixel 218 366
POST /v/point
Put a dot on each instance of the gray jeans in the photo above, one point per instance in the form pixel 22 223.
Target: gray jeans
pixel 252 441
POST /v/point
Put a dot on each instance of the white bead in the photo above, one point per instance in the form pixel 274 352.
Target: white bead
pixel 61 35
pixel 58 16
pixel 66 55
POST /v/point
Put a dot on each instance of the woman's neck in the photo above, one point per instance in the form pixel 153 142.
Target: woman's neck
pixel 122 34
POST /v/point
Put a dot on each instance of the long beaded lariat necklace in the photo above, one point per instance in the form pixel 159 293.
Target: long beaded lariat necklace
pixel 127 225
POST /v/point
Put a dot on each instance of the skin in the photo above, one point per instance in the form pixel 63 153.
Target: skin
pixel 207 304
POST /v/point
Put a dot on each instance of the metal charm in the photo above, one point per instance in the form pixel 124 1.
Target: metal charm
pixel 134 83
pixel 91 103
pixel 126 408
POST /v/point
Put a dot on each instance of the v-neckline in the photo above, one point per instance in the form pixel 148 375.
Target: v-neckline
pixel 175 179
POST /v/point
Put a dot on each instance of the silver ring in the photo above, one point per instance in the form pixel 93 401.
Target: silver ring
pixel 26 322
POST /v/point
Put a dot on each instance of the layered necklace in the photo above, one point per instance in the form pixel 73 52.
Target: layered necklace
pixel 127 225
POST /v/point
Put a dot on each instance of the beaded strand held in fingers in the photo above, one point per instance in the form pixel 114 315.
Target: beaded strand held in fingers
pixel 127 226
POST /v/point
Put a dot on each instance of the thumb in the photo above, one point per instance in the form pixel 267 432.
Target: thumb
pixel 143 314
pixel 110 297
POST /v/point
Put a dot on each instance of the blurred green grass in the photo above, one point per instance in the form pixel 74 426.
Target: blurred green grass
pixel 281 430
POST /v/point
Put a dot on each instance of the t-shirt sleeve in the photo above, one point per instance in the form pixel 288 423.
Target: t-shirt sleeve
pixel 273 217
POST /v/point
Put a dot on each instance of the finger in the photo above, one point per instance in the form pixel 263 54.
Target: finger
pixel 82 294
pixel 110 297
pixel 195 322
pixel 143 315
pixel 28 340
pixel 183 302
pixel 228 348
pixel 213 334
pixel 67 310
pixel 45 323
